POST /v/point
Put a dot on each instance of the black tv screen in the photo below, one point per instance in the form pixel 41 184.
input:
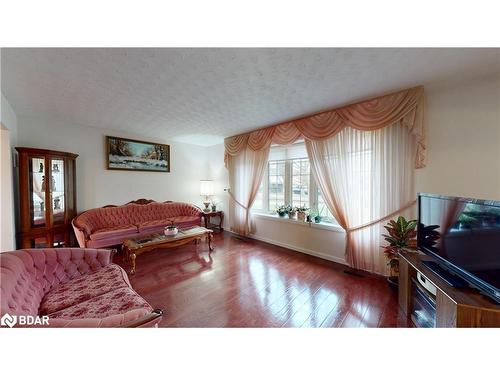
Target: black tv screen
pixel 464 236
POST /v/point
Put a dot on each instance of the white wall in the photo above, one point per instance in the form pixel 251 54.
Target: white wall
pixel 463 160
pixel 463 140
pixel 97 186
pixel 8 138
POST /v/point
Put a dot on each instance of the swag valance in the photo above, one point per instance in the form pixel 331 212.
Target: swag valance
pixel 405 106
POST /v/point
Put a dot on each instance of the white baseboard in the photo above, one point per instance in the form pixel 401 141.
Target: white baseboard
pixel 299 249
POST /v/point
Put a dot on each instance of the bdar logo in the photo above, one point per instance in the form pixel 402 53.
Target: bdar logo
pixel 8 320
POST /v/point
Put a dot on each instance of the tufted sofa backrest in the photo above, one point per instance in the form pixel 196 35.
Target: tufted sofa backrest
pixel 27 275
pixel 108 217
pixel 156 211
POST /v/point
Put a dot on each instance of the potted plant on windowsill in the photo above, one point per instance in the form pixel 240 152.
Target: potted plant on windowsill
pixel 316 215
pixel 291 212
pixel 301 212
pixel 282 210
pixel 402 235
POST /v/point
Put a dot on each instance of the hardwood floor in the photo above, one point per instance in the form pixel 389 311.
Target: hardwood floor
pixel 248 283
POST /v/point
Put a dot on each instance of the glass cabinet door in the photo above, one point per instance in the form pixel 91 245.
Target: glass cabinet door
pixel 57 196
pixel 38 184
pixel 47 197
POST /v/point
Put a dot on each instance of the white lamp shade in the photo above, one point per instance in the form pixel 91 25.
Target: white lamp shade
pixel 207 187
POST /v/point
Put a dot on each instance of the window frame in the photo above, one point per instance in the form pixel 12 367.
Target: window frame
pixel 288 185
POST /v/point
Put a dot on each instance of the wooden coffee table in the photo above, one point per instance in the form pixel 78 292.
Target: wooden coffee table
pixel 133 247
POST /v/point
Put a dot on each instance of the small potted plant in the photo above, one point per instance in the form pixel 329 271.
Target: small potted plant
pixel 291 212
pixel 402 235
pixel 214 206
pixel 301 212
pixel 316 215
pixel 282 210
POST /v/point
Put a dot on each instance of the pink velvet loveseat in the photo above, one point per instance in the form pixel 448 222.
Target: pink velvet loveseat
pixel 110 225
pixel 74 287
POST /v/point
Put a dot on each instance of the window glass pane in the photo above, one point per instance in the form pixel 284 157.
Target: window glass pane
pixel 323 210
pixel 300 182
pixel 272 168
pixel 57 189
pixel 258 203
pixel 37 186
pixel 281 168
pixel 276 180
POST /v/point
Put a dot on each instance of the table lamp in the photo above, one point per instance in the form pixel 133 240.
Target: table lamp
pixel 206 190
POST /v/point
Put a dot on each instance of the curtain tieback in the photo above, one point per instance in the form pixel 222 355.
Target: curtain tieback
pixel 408 205
pixel 234 199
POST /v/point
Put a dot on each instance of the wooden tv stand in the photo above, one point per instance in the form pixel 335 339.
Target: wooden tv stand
pixel 464 307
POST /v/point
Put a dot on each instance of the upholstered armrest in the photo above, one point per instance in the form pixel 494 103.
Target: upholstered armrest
pixel 133 318
pixel 80 233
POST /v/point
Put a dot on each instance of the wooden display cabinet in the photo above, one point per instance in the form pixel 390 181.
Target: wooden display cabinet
pixel 453 307
pixel 47 197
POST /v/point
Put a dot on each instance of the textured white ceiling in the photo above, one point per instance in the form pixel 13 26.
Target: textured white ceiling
pixel 200 96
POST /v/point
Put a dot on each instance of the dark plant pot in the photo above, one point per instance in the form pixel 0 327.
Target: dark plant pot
pixel 317 219
pixel 393 282
pixel 281 214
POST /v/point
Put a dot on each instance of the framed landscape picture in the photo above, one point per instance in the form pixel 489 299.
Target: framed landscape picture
pixel 129 154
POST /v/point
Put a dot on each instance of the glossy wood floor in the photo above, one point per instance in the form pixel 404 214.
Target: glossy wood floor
pixel 247 283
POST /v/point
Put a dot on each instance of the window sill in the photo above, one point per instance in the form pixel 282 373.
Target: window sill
pixel 322 226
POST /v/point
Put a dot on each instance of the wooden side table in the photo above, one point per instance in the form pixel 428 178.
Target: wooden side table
pixel 207 217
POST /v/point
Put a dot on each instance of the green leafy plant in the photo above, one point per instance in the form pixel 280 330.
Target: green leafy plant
pixel 301 212
pixel 401 235
pixel 316 215
pixel 284 209
pixel 301 209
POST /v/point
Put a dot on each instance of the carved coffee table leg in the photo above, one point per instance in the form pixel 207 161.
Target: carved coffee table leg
pixel 125 253
pixel 210 236
pixel 132 261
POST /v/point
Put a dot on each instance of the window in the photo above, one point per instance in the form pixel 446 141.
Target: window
pixel 276 184
pixel 288 180
pixel 300 182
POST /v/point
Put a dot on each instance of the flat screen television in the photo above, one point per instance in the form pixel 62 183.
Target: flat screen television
pixel 463 236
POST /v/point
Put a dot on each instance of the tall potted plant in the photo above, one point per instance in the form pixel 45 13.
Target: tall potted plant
pixel 401 236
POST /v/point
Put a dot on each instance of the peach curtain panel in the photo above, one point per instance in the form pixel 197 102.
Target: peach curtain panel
pixel 366 178
pixel 405 107
pixel 245 174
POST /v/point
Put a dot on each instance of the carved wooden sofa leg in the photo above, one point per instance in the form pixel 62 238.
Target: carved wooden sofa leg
pixel 144 320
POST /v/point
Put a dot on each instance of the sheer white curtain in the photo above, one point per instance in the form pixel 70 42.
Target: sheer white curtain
pixel 245 175
pixel 366 178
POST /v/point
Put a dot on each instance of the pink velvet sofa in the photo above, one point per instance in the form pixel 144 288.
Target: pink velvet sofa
pixel 74 287
pixel 110 225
